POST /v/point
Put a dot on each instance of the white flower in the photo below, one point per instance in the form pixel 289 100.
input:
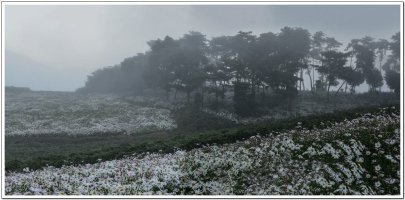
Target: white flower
pixel 27 169
pixel 215 169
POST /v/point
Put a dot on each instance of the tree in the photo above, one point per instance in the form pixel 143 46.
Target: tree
pixel 162 62
pixel 364 51
pixel 392 66
pixel 374 79
pixel 319 43
pixel 353 78
pixel 293 48
pixel 104 80
pixel 125 78
pixel 332 68
pixel 382 46
pixel 264 54
pixel 190 64
pixel 241 48
pixel 237 57
pixel 132 70
pixel 218 70
pixel 244 102
pixel 393 80
pixel 315 55
pixel 194 65
pixel 284 58
pixel 395 45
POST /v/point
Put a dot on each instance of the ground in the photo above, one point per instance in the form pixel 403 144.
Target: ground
pixel 81 134
pixel 357 156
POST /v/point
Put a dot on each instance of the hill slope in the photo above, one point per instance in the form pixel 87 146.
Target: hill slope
pixel 358 156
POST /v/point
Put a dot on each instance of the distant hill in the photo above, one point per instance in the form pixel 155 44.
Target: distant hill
pixel 17 89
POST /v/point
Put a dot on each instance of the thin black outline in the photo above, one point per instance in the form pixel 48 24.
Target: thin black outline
pixel 202 197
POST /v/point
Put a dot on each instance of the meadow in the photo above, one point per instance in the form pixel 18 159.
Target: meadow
pixel 67 143
pixel 32 113
pixel 357 156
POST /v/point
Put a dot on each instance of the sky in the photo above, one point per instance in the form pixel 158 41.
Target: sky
pixel 55 47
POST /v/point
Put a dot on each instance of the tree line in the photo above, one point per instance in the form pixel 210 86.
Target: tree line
pixel 252 65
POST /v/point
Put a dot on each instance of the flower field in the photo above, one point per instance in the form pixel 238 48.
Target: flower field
pixel 359 156
pixel 69 113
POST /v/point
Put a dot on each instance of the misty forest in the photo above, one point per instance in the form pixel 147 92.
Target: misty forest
pixel 245 114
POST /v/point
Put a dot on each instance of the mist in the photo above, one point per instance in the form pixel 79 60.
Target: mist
pixel 55 47
pixel 194 99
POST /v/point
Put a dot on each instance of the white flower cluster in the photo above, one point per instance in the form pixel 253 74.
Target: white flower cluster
pixel 289 162
pixel 224 114
pixel 70 113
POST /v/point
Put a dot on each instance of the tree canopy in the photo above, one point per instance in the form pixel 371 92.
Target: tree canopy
pixel 246 64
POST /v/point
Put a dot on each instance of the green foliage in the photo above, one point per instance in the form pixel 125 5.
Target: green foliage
pixel 395 45
pixel 244 102
pixel 365 50
pixel 352 77
pixel 374 79
pixel 333 65
pixel 393 79
pixel 392 66
pixel 162 61
pixel 273 61
pixel 65 150
pixel 123 78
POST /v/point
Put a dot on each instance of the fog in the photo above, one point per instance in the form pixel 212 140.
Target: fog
pixel 55 47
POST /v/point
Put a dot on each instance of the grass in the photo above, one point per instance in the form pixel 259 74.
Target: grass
pixel 36 151
pixel 190 119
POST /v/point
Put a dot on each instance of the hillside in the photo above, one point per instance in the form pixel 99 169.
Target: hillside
pixel 357 156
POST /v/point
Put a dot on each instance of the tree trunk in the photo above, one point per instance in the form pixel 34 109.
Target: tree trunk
pixel 310 79
pixel 302 80
pixel 354 89
pixel 223 93
pixel 202 97
pixel 313 75
pixel 263 94
pixel 253 89
pixel 346 88
pixel 340 87
pixel 216 91
pixel 327 94
pixel 380 72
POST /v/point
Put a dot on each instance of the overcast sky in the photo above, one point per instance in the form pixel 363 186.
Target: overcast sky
pixel 65 43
